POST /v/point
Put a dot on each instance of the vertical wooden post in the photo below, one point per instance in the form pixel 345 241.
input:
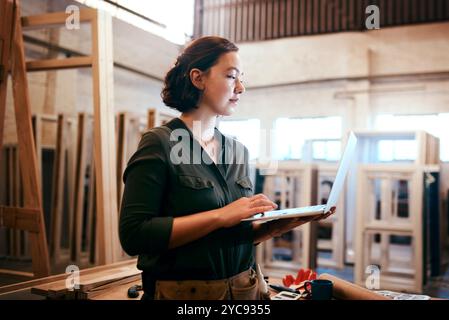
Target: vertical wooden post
pixel 105 156
pixel 78 204
pixel 57 206
pixel 122 129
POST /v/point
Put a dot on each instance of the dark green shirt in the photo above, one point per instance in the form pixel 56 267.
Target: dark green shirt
pixel 159 187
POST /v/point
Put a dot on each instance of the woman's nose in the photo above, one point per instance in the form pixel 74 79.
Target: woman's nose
pixel 239 88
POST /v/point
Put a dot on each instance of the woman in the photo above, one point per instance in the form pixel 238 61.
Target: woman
pixel 187 188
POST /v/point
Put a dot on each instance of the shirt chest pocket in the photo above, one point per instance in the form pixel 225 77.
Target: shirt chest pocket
pixel 196 194
pixel 196 183
pixel 245 186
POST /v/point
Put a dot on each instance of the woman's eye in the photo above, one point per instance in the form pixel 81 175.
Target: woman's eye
pixel 231 77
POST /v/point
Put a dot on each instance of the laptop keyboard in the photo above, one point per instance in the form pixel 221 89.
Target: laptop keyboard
pixel 304 209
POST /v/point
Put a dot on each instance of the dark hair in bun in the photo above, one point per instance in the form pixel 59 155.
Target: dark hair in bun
pixel 179 92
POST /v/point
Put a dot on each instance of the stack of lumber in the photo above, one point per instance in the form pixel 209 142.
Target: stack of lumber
pixel 91 282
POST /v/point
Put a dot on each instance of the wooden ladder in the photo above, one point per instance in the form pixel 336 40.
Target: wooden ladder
pixel 30 218
pixel 100 61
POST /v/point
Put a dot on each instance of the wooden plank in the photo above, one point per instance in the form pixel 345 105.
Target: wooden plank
pixel 289 18
pixel 323 21
pixel 263 20
pixel 92 218
pixel 198 17
pixel 3 185
pixel 238 21
pixel 226 19
pixel 345 15
pixel 276 18
pixel 119 292
pixel 91 282
pixel 251 21
pixel 151 118
pixel 231 28
pixel 6 18
pixel 405 12
pixel 57 205
pixel 282 18
pixel 389 12
pixel 90 223
pixel 16 201
pixel 315 16
pixel 27 152
pixel 20 275
pixel 213 16
pixel 36 282
pixel 37 134
pixel 351 15
pixel 105 156
pixel 116 290
pixel 295 17
pixel 10 195
pixel 58 64
pixel 79 188
pixel 206 20
pixel 302 17
pixel 309 16
pixel 55 19
pixel 330 16
pixel 58 289
pixel 243 20
pixel 122 126
pixel 71 179
pixel 337 15
pixel 269 21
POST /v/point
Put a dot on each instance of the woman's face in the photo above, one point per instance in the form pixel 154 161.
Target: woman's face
pixel 223 85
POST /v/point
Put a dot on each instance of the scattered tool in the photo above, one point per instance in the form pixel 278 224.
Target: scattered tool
pixel 133 291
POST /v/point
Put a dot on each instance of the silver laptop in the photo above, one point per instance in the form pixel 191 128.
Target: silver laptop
pixel 333 196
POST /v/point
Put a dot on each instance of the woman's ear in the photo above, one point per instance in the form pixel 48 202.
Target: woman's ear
pixel 197 78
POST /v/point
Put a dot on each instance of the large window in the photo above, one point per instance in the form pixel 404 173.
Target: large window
pixel 311 138
pixel 245 131
pixel 435 124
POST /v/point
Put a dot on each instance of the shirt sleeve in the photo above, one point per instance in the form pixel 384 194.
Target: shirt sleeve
pixel 142 228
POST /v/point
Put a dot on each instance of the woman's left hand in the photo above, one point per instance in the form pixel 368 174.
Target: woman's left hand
pixel 281 226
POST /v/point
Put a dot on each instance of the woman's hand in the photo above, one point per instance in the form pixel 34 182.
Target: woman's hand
pixel 276 228
pixel 244 207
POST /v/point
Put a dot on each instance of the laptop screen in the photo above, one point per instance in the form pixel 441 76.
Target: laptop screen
pixel 342 171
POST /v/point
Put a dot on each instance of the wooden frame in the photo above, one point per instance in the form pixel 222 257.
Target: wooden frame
pixel 59 170
pixel 14 197
pixel 337 222
pixel 84 168
pixel 427 152
pixel 304 249
pixel 130 128
pixel 29 218
pixel 158 117
pixel 389 224
pixel 101 63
